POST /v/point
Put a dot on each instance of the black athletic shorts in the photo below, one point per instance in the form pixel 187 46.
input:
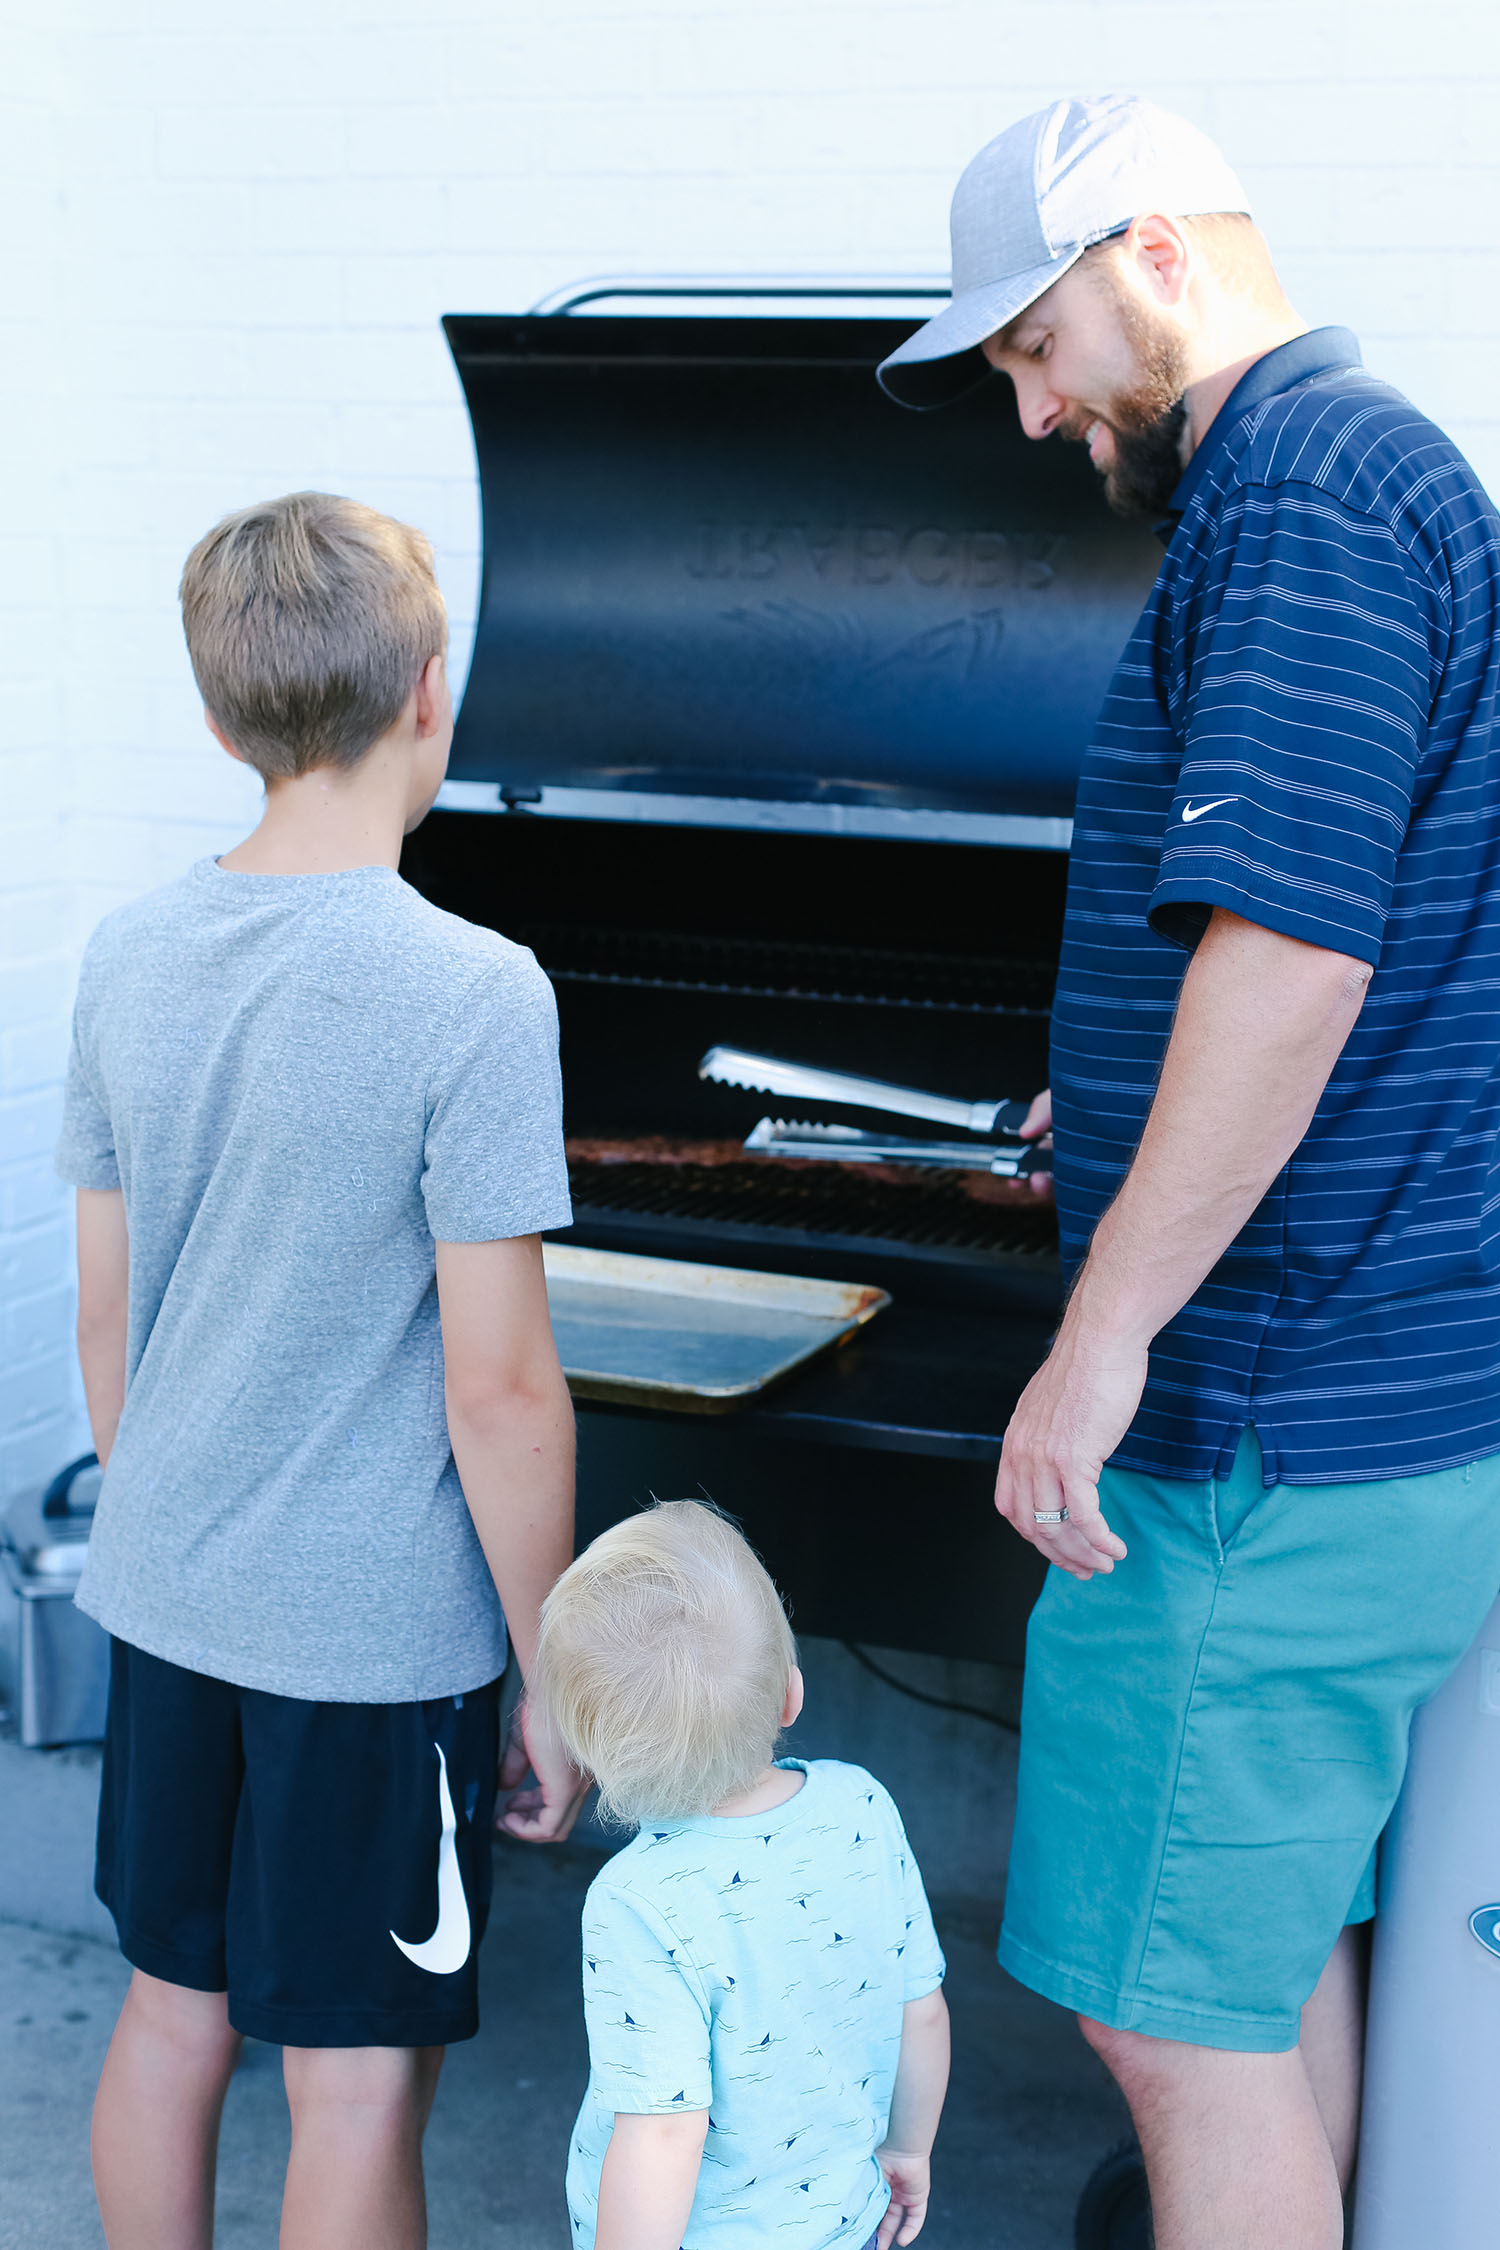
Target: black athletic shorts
pixel 326 1864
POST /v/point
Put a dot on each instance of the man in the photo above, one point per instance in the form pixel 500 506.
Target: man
pixel 1262 1450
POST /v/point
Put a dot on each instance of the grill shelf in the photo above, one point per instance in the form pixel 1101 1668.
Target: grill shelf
pixel 932 1213
pixel 768 968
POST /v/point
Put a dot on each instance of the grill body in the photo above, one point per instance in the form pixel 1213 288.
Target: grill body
pixel 778 694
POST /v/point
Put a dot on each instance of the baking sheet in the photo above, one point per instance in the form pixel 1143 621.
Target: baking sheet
pixel 695 1339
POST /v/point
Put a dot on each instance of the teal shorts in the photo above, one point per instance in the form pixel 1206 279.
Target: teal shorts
pixel 1213 1737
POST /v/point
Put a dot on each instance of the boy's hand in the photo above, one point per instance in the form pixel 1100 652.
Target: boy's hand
pixel 545 1814
pixel 910 2180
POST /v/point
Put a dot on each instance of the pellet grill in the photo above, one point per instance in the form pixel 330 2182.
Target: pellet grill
pixel 770 738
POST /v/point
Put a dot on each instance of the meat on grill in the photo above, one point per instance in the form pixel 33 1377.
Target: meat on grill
pixel 664 1149
pixel 651 1148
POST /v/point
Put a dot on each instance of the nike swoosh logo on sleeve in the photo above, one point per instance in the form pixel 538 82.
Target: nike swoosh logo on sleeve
pixel 1196 812
pixel 448 1947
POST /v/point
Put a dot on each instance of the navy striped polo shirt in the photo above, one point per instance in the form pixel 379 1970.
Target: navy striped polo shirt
pixel 1305 729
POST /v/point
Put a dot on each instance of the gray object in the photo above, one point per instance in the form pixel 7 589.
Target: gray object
pixel 300 1083
pixel 768 1074
pixel 1430 2132
pixel 1029 205
pixel 845 1144
pixel 698 1339
pixel 57 1660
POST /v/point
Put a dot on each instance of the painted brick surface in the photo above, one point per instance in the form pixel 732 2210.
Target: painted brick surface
pixel 235 228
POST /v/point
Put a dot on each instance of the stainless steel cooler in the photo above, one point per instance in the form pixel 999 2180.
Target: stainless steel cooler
pixel 56 1659
pixel 1429 2147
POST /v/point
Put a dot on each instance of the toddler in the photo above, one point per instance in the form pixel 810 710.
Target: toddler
pixel 768 2040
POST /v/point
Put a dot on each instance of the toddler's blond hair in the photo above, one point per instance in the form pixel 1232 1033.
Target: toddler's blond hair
pixel 663 1662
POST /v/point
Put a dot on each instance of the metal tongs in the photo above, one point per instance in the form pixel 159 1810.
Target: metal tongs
pixel 845 1144
pixel 766 1074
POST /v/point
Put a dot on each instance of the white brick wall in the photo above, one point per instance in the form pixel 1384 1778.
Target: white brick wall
pixel 233 229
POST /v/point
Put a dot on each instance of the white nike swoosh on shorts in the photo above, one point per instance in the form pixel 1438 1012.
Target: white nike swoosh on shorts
pixel 1196 812
pixel 448 1947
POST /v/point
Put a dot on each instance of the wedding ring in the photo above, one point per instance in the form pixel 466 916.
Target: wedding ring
pixel 1049 1515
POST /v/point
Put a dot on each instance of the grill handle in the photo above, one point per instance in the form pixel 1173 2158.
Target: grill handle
pixel 599 287
pixel 766 1074
pixel 57 1500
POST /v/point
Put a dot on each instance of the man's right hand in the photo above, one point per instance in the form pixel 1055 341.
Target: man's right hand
pixel 1068 1420
pixel 1038 1127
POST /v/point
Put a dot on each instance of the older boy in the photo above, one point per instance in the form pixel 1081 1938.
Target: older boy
pixel 315 1128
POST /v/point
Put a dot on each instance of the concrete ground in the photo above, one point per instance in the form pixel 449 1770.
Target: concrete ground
pixel 1029 2113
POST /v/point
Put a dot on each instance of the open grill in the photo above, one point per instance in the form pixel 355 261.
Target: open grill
pixel 770 741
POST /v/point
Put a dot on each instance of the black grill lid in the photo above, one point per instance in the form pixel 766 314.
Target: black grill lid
pixel 718 561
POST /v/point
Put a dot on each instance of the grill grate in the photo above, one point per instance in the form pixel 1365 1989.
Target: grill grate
pixel 771 969
pixel 933 1212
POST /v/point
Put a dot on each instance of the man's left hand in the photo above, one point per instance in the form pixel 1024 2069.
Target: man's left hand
pixel 1038 1130
pixel 1068 1420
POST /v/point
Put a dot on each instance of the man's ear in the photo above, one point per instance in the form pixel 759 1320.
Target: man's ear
pixel 432 695
pixel 1157 248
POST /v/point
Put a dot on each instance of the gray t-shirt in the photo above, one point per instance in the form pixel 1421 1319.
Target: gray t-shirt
pixel 301 1082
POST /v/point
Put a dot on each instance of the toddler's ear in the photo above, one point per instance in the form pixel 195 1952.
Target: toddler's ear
pixel 792 1707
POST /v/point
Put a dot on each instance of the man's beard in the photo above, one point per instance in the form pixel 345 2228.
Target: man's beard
pixel 1147 418
pixel 1147 466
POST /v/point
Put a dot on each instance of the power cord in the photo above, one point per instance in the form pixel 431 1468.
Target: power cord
pixel 920 1695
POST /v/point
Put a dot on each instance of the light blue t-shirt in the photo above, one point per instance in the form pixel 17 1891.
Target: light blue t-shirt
pixel 757 1968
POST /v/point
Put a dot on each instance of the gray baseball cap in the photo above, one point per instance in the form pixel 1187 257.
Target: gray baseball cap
pixel 1032 202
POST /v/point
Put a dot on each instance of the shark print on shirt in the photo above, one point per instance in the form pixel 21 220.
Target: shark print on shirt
pixel 757 1968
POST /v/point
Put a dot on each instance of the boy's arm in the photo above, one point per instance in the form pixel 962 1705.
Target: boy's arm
pixel 916 2106
pixel 649 2179
pixel 510 1421
pixel 103 1309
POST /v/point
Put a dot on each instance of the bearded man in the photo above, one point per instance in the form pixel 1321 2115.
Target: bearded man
pixel 1262 1453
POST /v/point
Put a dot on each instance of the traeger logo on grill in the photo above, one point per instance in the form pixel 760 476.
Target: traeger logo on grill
pixel 873 554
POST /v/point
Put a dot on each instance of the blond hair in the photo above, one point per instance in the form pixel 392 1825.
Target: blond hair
pixel 309 621
pixel 663 1663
